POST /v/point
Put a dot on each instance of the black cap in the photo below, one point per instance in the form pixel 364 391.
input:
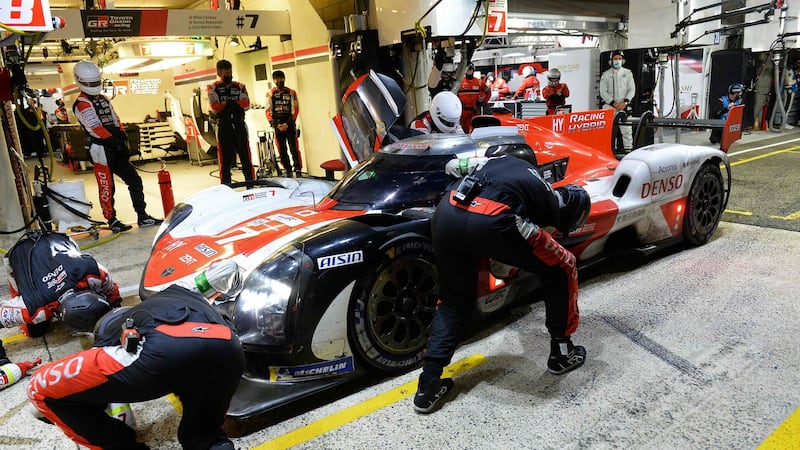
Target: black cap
pixel 617 52
pixel 278 74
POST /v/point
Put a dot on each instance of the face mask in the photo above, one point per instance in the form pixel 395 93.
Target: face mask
pixel 469 76
pixel 227 78
pixel 617 64
pixel 280 84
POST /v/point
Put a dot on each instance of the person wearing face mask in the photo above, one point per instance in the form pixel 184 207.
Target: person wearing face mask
pixel 556 92
pixel 721 106
pixel 497 86
pixel 617 89
pixel 229 100
pixel 442 73
pixel 282 111
pixel 472 94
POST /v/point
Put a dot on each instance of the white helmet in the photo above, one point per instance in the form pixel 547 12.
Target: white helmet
pixel 527 70
pixel 446 111
pixel 88 77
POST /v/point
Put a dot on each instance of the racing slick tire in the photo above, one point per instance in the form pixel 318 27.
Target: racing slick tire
pixel 705 204
pixel 391 310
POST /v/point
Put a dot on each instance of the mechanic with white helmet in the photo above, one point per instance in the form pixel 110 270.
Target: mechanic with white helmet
pixel 617 89
pixel 721 107
pixel 49 276
pixel 443 117
pixel 555 93
pixel 108 147
pixel 529 88
pixel 499 210
pixel 174 342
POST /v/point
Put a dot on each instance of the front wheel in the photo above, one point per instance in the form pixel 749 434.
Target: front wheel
pixel 391 312
pixel 705 205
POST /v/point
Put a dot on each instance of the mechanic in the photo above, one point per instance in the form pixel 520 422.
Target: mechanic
pixel 174 342
pixel 529 88
pixel 229 100
pixel 442 76
pixel 556 92
pixel 108 147
pixel 472 94
pixel 617 89
pixel 498 87
pixel 721 106
pixel 443 117
pixel 500 211
pixel 49 276
pixel 282 111
pixel 62 117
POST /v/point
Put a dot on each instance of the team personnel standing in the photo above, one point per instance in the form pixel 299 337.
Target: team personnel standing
pixel 497 86
pixel 529 88
pixel 443 117
pixel 721 106
pixel 472 94
pixel 503 217
pixel 49 276
pixel 555 93
pixel 174 342
pixel 229 100
pixel 442 76
pixel 617 89
pixel 108 147
pixel 282 111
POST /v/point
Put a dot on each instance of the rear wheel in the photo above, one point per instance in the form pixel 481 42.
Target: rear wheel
pixel 705 205
pixel 392 308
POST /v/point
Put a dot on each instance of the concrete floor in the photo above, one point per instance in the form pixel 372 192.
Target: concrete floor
pixel 689 350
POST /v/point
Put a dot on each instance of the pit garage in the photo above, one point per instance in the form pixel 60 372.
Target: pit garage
pixel 688 347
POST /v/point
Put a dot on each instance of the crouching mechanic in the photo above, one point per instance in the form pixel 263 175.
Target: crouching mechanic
pixel 174 342
pixel 500 211
pixel 49 276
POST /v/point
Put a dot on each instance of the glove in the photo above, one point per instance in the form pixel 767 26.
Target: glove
pixel 460 167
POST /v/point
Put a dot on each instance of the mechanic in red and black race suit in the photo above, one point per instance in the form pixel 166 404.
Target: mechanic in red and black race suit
pixel 108 147
pixel 472 93
pixel 500 211
pixel 229 100
pixel 49 276
pixel 529 87
pixel 556 92
pixel 282 111
pixel 184 346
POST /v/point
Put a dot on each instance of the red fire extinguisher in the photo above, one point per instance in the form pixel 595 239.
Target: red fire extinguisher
pixel 165 183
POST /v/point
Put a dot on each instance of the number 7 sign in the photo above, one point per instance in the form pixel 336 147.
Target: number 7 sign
pixel 26 15
pixel 498 12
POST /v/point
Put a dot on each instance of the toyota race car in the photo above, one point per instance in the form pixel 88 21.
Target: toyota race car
pixel 345 283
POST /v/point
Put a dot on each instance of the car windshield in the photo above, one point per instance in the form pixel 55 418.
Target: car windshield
pixel 393 182
pixel 359 127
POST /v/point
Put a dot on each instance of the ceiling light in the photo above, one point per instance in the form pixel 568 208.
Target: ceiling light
pixel 234 42
pixel 166 63
pixel 122 65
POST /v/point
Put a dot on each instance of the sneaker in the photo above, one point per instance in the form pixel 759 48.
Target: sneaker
pixel 425 401
pixel 117 226
pixel 564 356
pixel 147 221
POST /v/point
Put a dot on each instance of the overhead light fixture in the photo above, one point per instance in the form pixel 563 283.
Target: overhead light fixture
pixel 234 42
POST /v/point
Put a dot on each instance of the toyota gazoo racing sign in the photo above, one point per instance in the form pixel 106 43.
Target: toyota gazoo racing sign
pixel 27 15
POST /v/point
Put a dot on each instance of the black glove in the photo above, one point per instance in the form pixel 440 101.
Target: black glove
pixel 438 58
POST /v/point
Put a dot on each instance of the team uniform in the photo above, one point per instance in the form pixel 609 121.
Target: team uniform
pixel 720 110
pixel 232 136
pixel 618 85
pixel 108 148
pixel 43 267
pixel 472 94
pixel 186 348
pixel 283 108
pixel 555 96
pixel 499 88
pixel 528 89
pixel 424 123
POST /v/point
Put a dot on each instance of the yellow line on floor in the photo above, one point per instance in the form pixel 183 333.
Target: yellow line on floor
pixel 741 213
pixel 13 338
pixel 755 158
pixel 792 216
pixel 362 409
pixel 786 436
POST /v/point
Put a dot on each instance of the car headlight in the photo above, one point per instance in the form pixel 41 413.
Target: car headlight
pixel 260 316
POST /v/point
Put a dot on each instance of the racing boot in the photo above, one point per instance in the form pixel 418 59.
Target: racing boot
pixel 146 221
pixel 117 226
pixel 425 399
pixel 564 356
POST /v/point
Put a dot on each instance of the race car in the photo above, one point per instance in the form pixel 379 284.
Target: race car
pixel 346 283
